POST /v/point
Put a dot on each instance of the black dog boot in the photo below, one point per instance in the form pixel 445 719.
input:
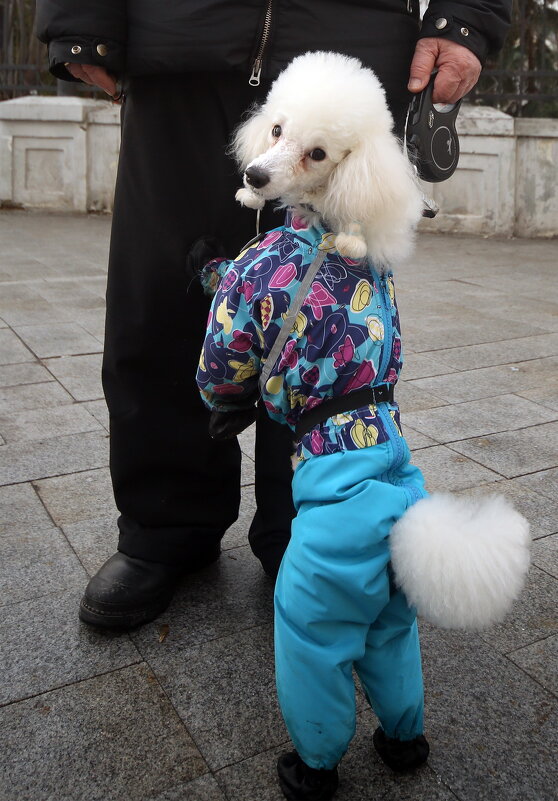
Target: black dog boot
pixel 401 756
pixel 299 782
pixel 127 591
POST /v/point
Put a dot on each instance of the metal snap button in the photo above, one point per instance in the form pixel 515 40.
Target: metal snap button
pixel 465 31
pixel 76 49
pixel 441 23
pixel 102 49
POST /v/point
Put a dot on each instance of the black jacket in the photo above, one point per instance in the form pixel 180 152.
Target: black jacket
pixel 146 37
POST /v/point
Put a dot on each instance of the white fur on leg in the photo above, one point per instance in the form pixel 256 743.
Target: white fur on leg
pixel 351 244
pixel 461 561
pixel 247 198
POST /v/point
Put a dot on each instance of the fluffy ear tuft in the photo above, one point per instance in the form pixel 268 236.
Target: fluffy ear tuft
pixel 251 138
pixel 461 561
pixel 375 184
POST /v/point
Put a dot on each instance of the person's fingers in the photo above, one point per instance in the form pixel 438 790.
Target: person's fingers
pixel 76 70
pixel 94 76
pixel 458 69
pixel 100 77
pixel 422 64
pixel 447 84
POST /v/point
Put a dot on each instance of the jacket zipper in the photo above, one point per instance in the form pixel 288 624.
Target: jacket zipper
pixel 257 65
pixel 385 416
pixel 388 327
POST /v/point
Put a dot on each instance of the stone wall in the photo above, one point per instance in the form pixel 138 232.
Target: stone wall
pixel 62 152
pixel 58 152
pixel 507 179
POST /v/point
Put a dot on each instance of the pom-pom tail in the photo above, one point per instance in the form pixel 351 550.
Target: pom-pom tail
pixel 461 561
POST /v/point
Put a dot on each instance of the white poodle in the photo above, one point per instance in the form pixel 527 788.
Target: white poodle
pixel 331 151
pixel 322 143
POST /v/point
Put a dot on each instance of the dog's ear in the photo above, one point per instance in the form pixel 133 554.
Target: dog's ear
pixel 251 138
pixel 375 186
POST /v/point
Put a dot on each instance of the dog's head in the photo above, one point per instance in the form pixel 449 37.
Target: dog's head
pixel 323 139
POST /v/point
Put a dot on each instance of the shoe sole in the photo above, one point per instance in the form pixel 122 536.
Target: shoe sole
pixel 122 620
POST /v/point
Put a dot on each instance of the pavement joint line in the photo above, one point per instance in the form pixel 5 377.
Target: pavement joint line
pixel 543 333
pixel 57 475
pixel 59 527
pixel 140 661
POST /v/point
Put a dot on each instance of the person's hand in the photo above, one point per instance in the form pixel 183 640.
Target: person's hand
pixel 94 76
pixel 458 69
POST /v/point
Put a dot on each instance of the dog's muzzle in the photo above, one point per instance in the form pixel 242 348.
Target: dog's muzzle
pixel 256 177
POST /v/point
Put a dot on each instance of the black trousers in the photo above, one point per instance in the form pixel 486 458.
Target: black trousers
pixel 176 489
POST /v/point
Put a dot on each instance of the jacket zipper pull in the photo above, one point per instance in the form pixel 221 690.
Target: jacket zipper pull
pixel 256 72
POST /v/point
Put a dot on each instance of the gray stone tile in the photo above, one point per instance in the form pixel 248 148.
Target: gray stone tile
pixel 43 646
pixel 447 471
pixel 224 690
pixel 37 562
pixel 99 411
pixel 13 375
pixel 415 440
pixel 21 268
pixel 73 294
pixel 21 304
pixel 540 511
pixel 225 598
pixel 92 321
pixel 35 460
pixel 461 329
pixel 32 396
pixel 80 375
pixel 362 776
pixel 539 660
pixel 545 554
pixel 488 723
pixel 412 399
pixel 532 617
pixel 114 737
pixel 12 349
pixel 247 441
pixel 422 365
pixel 203 789
pixel 504 352
pixel 78 496
pixel 480 417
pixel 486 382
pixel 545 482
pixel 255 777
pixel 237 534
pixel 58 339
pixel 246 472
pixel 94 540
pixel 49 422
pixel 546 395
pixel 514 453
pixel 20 509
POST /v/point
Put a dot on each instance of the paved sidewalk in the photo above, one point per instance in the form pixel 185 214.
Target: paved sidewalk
pixel 192 716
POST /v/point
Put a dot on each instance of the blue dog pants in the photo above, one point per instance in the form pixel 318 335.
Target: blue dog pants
pixel 335 607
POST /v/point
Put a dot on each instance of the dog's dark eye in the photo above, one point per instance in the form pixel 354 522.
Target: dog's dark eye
pixel 317 154
pixel 276 131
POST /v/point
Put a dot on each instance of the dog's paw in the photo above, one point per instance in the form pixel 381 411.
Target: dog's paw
pixel 350 246
pixel 247 198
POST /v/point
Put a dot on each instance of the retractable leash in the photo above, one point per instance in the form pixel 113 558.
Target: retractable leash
pixel 431 140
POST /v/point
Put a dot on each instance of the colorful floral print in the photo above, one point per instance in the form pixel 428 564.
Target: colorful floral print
pixel 346 336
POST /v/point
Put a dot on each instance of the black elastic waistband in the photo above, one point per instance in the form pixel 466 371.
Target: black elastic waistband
pixel 342 403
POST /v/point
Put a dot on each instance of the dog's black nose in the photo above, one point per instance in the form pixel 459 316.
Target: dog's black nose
pixel 256 177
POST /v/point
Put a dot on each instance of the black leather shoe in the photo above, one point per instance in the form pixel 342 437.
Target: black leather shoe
pixel 299 782
pixel 401 756
pixel 127 591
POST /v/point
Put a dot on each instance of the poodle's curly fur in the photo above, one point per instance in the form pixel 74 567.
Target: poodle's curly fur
pixel 362 184
pixel 323 143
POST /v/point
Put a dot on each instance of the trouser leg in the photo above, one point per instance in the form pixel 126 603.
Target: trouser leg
pixel 175 184
pixel 333 586
pixel 391 671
